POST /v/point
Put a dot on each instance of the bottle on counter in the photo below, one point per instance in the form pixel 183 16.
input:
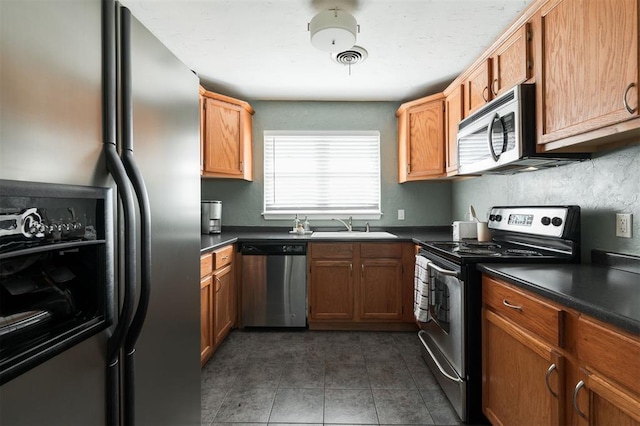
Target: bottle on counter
pixel 305 224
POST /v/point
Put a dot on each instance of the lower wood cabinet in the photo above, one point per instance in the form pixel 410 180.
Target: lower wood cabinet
pixel 546 364
pixel 217 299
pixel 224 303
pixel 359 283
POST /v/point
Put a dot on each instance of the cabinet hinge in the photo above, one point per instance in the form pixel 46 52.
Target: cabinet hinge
pixel 204 104
pixel 529 36
pixel 530 64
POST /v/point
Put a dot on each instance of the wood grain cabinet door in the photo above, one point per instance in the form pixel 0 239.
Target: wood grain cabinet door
pixel 223 302
pixel 589 66
pixel 601 402
pixel 331 290
pixel 206 318
pixel 522 377
pixel 454 110
pixel 222 144
pixel 476 86
pixel 426 140
pixel 511 62
pixel 381 289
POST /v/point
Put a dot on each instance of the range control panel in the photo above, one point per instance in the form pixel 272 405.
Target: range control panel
pixel 554 221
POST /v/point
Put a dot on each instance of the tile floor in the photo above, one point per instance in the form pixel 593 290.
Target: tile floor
pixel 321 377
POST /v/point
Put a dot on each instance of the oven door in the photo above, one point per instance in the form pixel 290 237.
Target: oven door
pixel 443 337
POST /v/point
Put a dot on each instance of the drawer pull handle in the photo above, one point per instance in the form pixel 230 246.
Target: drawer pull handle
pixel 225 257
pixel 509 305
pixel 552 367
pixel 579 386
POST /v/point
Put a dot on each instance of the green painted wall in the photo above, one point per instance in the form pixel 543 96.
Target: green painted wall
pixel 425 203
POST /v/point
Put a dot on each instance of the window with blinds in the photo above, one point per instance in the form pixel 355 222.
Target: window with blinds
pixel 322 174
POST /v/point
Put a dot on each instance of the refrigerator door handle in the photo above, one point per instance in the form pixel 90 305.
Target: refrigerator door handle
pixel 117 171
pixel 137 181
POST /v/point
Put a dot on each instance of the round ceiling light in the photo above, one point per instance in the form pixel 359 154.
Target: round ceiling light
pixel 333 30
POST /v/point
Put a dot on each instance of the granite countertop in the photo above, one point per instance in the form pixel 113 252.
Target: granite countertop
pixel 209 242
pixel 608 294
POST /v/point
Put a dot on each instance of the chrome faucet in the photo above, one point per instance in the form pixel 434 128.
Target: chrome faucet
pixel 349 225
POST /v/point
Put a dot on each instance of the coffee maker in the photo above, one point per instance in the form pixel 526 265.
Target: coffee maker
pixel 211 217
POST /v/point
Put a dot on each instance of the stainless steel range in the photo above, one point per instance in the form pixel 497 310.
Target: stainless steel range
pixel 448 290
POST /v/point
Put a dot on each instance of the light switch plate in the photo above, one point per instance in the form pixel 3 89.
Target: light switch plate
pixel 401 214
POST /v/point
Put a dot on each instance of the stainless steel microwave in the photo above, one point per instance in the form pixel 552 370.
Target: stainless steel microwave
pixel 500 138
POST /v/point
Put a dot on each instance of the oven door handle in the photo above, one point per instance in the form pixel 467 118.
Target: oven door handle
pixel 444 373
pixel 443 271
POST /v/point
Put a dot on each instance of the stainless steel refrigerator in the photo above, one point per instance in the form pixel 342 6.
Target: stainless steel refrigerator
pixel 53 127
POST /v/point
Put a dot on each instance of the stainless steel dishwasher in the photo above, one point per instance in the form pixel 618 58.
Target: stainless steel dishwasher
pixel 274 284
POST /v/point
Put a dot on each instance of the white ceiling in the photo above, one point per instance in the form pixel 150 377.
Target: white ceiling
pixel 260 49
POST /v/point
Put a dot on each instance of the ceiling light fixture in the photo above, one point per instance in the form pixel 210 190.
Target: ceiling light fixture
pixel 333 30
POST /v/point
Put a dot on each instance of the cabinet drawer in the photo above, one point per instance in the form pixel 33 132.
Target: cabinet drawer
pixel 612 353
pixel 331 251
pixel 528 311
pixel 222 257
pixel 206 265
pixel 381 250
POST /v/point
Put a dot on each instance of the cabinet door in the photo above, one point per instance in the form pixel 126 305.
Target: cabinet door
pixel 600 402
pixel 476 86
pixel 522 377
pixel 426 140
pixel 511 64
pixel 222 139
pixel 206 319
pixel 454 107
pixel 223 303
pixel 589 64
pixel 381 289
pixel 331 290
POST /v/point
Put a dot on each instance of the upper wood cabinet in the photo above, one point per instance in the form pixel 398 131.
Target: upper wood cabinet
pixel 225 137
pixel 476 87
pixel 454 113
pixel 587 93
pixel 511 62
pixel 507 65
pixel 421 139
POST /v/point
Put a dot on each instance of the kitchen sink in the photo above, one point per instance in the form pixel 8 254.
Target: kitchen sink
pixel 351 234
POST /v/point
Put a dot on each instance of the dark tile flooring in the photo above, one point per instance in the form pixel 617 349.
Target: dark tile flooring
pixel 321 377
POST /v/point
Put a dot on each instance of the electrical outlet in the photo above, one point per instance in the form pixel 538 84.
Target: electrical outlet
pixel 401 214
pixel 624 225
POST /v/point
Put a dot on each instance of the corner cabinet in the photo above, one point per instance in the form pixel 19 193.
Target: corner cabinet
pixel 589 75
pixel 225 137
pixel 545 364
pixel 359 285
pixel 217 299
pixel 421 139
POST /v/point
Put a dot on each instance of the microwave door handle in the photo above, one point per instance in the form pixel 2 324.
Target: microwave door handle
pixel 490 137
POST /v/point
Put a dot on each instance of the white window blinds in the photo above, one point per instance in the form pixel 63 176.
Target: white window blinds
pixel 322 173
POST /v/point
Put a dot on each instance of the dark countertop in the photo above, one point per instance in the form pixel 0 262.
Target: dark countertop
pixel 209 242
pixel 608 294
